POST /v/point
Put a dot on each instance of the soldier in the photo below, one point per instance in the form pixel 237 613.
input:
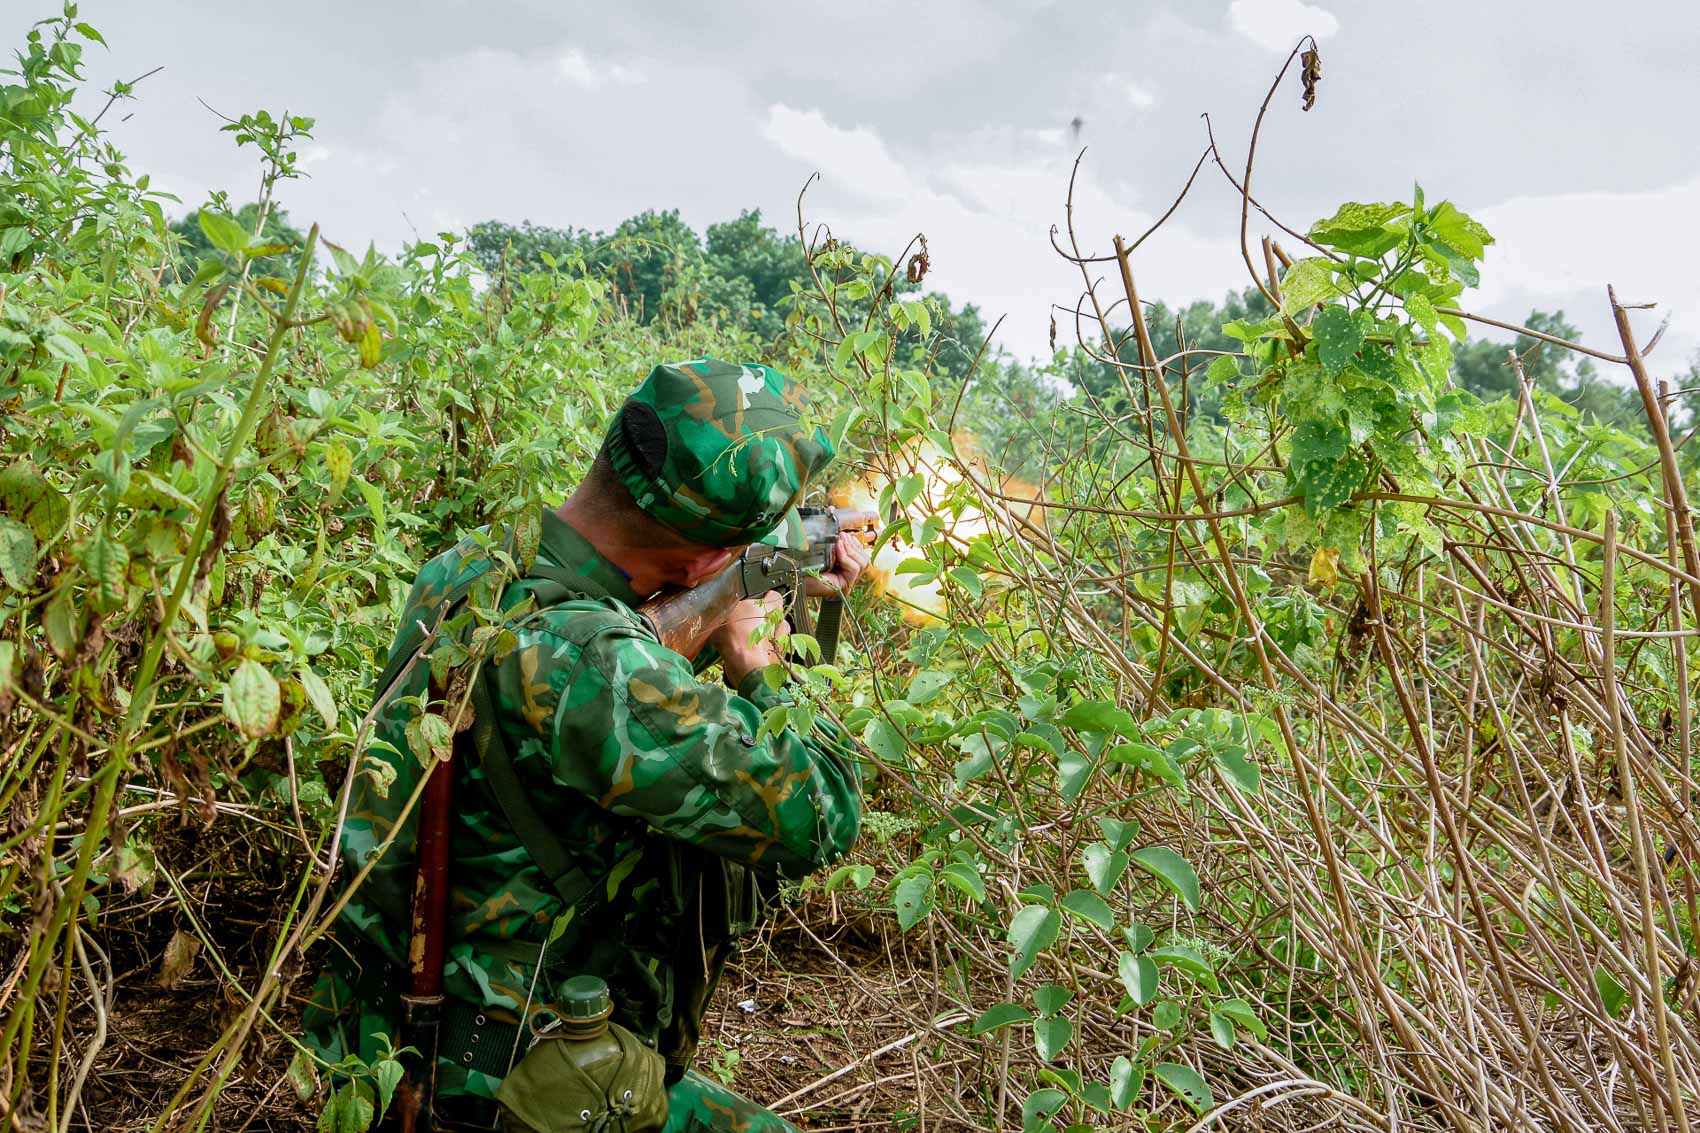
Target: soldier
pixel 664 808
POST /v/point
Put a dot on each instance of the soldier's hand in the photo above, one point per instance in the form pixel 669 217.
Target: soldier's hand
pixel 849 564
pixel 738 657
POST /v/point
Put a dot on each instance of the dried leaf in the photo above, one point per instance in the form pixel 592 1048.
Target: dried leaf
pixel 179 958
pixel 1325 567
pixel 17 554
pixel 371 347
pixel 252 699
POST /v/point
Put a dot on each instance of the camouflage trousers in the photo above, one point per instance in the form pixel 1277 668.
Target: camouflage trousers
pixel 697 1104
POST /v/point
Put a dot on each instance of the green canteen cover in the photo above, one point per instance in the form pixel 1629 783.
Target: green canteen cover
pixel 737 453
pixel 549 1092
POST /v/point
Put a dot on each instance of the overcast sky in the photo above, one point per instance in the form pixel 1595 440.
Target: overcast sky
pixel 1568 127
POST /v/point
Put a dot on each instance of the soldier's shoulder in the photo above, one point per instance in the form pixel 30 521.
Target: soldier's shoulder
pixel 580 620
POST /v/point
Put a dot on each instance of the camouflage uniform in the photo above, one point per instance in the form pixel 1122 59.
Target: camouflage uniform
pixel 654 782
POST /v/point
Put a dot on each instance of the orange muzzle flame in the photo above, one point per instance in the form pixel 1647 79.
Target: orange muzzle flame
pixel 922 598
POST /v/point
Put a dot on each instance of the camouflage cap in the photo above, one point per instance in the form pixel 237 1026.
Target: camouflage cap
pixel 730 455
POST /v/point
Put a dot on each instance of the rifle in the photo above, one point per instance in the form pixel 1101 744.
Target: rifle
pixel 683 619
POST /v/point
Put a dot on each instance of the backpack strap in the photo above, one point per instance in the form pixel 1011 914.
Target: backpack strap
pixel 483 744
pixel 571 883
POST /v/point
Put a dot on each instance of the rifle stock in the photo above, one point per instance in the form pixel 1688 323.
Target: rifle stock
pixel 684 619
pixel 422 1004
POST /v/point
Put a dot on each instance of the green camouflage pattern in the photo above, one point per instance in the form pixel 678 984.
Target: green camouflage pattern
pixel 637 765
pixel 697 1104
pixel 737 456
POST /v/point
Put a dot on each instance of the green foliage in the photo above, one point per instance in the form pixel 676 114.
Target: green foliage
pixel 217 482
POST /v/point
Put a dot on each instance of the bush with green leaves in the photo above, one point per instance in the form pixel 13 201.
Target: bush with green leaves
pixel 1310 740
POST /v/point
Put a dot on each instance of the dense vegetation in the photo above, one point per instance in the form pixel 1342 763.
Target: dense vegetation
pixel 1306 736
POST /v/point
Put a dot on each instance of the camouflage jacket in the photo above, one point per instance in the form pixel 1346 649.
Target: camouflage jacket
pixel 636 765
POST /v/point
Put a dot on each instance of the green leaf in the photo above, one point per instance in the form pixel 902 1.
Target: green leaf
pixel 969 579
pixel 1417 305
pixel 1096 716
pixel 318 695
pixel 1338 336
pixel 1362 229
pixel 1245 1015
pixel 913 900
pixel 966 878
pixel 1125 1080
pixel 17 554
pixel 224 232
pixel 1037 1110
pixel 925 685
pixel 1172 870
pixel 1458 231
pixel 252 699
pixel 1104 867
pixel 1612 993
pixel 62 621
pixel 1222 1030
pixel 1182 956
pixel 386 1075
pixel 1051 1036
pixel 1088 906
pixel 1184 1080
pixel 1237 769
pixel 1317 441
pixel 1166 1015
pixel 430 738
pixel 1118 833
pixel 1138 937
pixel 1000 1015
pixel 374 497
pixel 347 1111
pixel 106 561
pixel 884 740
pixel 1051 998
pixel 860 876
pixel 1224 370
pixel 1305 284
pixel 1033 929
pixel 1150 759
pixel 1139 976
pixel 67 351
pixel 1319 467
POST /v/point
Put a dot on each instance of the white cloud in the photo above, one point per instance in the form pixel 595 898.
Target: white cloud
pixel 856 157
pixel 1278 24
pixel 580 70
pixel 1564 248
pixel 1137 96
pixel 986 209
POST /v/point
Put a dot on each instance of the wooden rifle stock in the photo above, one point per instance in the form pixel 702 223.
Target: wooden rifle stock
pixel 684 619
pixel 422 1003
